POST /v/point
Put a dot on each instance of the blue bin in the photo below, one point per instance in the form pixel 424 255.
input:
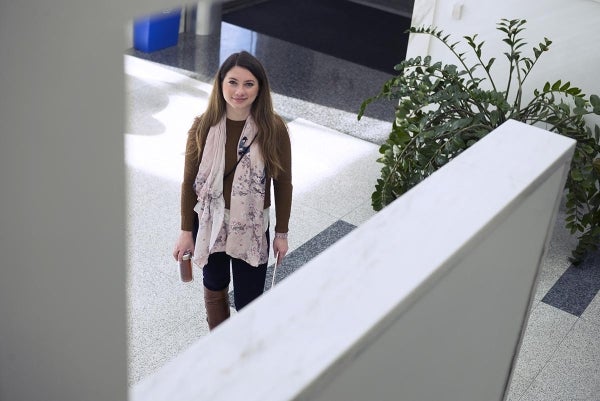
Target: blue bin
pixel 157 31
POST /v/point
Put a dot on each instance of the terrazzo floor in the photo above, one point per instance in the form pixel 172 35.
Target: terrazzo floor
pixel 334 165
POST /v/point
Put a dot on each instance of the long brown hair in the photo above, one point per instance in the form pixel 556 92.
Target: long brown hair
pixel 267 121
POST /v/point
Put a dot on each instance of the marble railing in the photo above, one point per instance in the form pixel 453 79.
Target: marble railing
pixel 425 301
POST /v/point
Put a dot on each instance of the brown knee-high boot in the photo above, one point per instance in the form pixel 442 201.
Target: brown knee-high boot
pixel 217 306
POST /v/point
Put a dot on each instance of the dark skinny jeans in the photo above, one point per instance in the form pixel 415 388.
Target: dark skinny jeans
pixel 248 281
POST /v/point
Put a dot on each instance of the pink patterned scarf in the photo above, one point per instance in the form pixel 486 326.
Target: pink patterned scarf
pixel 241 232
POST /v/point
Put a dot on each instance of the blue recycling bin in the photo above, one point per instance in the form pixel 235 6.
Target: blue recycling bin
pixel 157 31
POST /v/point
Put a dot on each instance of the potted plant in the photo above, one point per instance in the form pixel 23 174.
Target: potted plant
pixel 442 109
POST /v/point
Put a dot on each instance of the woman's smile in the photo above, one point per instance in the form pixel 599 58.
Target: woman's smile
pixel 240 89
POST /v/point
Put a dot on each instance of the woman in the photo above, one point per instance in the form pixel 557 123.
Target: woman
pixel 234 150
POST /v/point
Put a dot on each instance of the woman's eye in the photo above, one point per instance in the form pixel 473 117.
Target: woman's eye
pixel 249 84
pixel 232 82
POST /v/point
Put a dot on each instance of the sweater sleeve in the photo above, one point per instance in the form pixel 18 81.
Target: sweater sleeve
pixel 190 170
pixel 282 185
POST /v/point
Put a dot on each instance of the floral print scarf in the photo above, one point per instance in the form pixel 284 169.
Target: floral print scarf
pixel 240 232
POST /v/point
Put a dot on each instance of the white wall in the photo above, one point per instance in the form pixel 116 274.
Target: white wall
pixel 572 25
pixel 62 197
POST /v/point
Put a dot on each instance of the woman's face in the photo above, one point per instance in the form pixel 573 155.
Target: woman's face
pixel 240 89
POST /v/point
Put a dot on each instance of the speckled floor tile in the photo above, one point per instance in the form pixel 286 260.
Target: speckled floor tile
pixel 360 214
pixel 367 128
pixel 152 225
pixel 573 373
pixel 144 359
pixel 592 313
pixel 518 387
pixel 337 174
pixel 546 329
pixel 305 223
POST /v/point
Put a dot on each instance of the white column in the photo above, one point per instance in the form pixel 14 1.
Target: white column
pixel 208 17
pixel 63 327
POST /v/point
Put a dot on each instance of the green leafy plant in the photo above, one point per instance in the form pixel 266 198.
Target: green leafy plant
pixel 441 110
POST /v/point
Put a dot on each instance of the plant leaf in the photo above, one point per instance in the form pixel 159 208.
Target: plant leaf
pixel 556 85
pixel 595 101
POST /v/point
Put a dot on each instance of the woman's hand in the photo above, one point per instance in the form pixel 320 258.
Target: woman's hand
pixel 185 243
pixel 280 247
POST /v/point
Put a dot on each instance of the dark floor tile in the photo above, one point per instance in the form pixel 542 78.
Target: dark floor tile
pixel 344 29
pixel 577 287
pixel 302 255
